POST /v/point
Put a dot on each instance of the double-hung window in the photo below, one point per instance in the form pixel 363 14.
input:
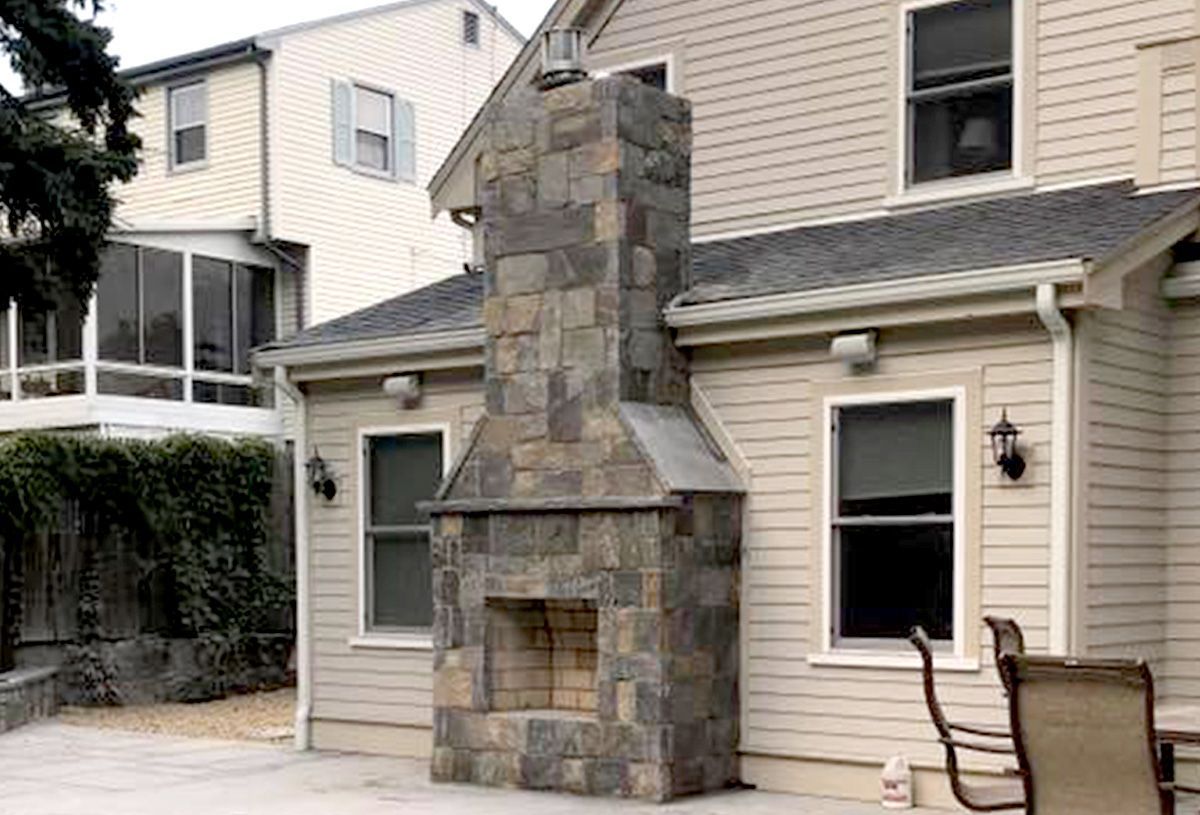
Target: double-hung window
pixel 399 471
pixel 960 89
pixel 893 520
pixel 188 112
pixel 373 129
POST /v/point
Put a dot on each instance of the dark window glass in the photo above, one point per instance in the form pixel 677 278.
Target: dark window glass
pixel 49 384
pixel 402 471
pixel 5 359
pixel 212 308
pixel 117 305
pixel 255 312
pixel 162 307
pixel 189 145
pixel 653 75
pixel 961 92
pixel 894 530
pixel 5 387
pixel 53 336
pixel 220 393
pixel 146 387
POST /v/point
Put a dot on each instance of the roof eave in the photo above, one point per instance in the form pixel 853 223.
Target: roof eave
pixel 398 346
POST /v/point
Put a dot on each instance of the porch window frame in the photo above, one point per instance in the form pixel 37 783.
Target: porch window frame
pixel 906 191
pixel 415 639
pixel 954 654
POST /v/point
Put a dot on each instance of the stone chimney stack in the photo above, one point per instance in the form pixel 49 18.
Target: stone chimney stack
pixel 586 545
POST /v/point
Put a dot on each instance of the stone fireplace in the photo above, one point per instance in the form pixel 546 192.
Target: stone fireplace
pixel 586 545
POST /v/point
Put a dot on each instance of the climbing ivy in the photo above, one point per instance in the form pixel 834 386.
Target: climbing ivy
pixel 199 509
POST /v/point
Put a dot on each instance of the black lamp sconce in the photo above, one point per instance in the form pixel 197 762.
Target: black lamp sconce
pixel 320 476
pixel 1004 447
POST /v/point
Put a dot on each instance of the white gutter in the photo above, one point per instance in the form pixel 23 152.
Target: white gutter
pixel 886 292
pixel 303 737
pixel 1061 465
pixel 358 350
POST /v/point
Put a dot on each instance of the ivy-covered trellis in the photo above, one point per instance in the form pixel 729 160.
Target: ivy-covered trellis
pixel 197 519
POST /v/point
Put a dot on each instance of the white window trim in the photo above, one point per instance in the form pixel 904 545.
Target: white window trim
pixel 615 62
pixel 390 172
pixel 174 166
pixel 414 640
pixel 833 654
pixel 1017 177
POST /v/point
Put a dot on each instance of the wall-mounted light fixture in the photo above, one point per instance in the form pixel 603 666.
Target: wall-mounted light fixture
pixel 404 389
pixel 1004 447
pixel 320 476
pixel 857 350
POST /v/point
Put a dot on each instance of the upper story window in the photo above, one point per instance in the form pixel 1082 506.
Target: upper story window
pixel 374 131
pixel 893 520
pixel 654 75
pixel 960 89
pixel 470 22
pixel 188 112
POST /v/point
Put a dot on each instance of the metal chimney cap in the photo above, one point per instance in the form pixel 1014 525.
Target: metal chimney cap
pixel 562 57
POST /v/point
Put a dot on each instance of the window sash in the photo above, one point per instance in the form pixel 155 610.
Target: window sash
pixel 188 110
pixel 960 88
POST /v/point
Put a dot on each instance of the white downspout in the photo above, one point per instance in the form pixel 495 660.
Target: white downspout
pixel 1061 465
pixel 303 739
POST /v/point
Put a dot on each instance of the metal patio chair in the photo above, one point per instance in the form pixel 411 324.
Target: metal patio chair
pixel 1002 794
pixel 1007 638
pixel 1084 735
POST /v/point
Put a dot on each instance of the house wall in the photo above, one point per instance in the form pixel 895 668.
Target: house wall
pixel 797 715
pixel 372 238
pixel 373 699
pixel 228 185
pixel 795 102
pixel 1125 473
pixel 1182 670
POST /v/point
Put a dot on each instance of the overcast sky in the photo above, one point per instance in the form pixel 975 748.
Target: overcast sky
pixel 149 30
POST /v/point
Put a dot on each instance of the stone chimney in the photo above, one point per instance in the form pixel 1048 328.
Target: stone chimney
pixel 586 545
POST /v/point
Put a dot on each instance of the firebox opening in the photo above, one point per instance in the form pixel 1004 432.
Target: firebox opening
pixel 541 655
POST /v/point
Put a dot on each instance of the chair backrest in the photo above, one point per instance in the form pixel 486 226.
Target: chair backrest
pixel 1007 638
pixel 1084 733
pixel 920 640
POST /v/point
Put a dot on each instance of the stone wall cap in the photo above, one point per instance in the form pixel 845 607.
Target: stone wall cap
pixel 26 676
pixel 489 506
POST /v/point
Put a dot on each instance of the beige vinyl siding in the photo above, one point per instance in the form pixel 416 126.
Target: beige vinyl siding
pixel 1182 671
pixel 795 99
pixel 1125 471
pixel 228 185
pixel 1179 124
pixel 373 238
pixel 360 685
pixel 761 395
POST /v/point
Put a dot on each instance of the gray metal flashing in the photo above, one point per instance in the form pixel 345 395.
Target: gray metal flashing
pixel 684 460
pixel 493 506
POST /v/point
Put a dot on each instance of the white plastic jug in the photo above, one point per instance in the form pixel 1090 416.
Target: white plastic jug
pixel 896 783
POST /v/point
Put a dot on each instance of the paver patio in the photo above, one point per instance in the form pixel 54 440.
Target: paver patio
pixel 57 769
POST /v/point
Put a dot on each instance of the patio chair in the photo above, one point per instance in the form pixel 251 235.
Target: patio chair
pixel 1084 734
pixel 1006 793
pixel 1007 638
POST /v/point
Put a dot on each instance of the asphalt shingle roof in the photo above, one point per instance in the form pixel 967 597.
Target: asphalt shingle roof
pixel 1088 223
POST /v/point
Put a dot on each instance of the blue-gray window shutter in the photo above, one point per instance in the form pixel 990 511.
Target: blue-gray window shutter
pixel 343 123
pixel 406 141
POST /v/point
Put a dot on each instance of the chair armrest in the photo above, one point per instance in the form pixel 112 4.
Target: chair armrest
pixel 982 731
pixel 980 748
pixel 1171 786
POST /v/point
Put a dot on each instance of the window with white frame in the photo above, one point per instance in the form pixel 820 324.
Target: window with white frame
pixel 470 28
pixel 50 349
pixel 372 129
pixel 893 520
pixel 653 74
pixel 233 311
pixel 399 471
pixel 960 89
pixel 188 124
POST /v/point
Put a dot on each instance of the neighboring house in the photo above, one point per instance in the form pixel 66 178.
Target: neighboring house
pixel 997 204
pixel 282 183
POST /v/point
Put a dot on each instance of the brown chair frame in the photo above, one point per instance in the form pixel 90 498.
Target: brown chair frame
pixel 1007 638
pixel 1135 671
pixel 978 798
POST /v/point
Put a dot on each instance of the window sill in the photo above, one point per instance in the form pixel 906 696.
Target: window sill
pixel 393 642
pixel 937 191
pixel 188 167
pixel 889 660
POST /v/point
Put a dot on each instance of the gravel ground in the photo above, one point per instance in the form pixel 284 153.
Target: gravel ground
pixel 264 717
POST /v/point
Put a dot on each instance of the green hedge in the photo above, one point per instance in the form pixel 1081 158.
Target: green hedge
pixel 200 509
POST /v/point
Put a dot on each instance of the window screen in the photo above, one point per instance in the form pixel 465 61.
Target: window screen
pixel 212 297
pixel 373 129
pixel 894 524
pixel 400 472
pixel 51 336
pixel 960 95
pixel 139 301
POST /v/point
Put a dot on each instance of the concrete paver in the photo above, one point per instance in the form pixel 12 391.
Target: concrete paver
pixel 57 769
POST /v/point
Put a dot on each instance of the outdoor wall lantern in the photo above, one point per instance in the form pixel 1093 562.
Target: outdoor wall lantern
pixel 320 476
pixel 1004 447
